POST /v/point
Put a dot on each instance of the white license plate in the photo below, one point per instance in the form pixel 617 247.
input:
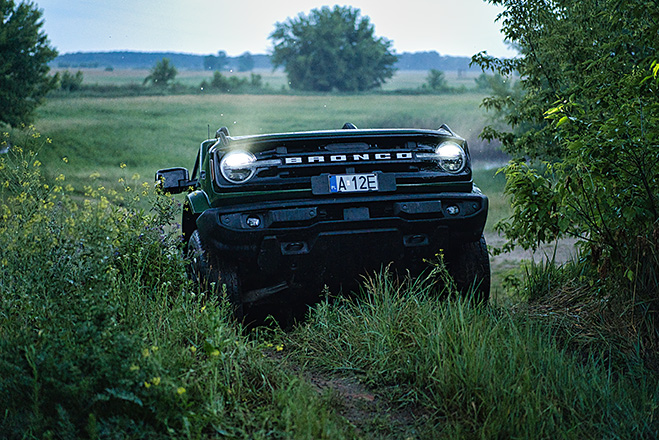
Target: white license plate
pixel 353 182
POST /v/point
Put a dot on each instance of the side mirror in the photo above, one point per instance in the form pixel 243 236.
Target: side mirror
pixel 174 180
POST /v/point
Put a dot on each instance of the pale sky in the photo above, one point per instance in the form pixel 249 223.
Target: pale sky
pixel 450 27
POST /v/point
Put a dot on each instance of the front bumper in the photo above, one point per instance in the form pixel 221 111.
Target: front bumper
pixel 328 241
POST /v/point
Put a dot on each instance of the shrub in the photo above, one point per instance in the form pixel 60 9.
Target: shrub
pixel 70 82
pixel 585 135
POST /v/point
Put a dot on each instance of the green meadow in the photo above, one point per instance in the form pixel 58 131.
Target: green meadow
pixel 97 135
pixel 275 80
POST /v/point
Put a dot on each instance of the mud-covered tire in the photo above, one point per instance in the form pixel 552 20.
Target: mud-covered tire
pixel 205 268
pixel 469 265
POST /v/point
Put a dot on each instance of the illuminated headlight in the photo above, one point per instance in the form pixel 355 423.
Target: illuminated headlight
pixel 238 166
pixel 451 157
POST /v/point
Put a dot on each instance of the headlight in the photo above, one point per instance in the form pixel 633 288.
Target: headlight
pixel 451 156
pixel 238 166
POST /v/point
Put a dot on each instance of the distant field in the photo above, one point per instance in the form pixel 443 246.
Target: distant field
pixel 97 135
pixel 405 79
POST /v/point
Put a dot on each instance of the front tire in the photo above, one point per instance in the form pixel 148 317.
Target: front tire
pixel 469 265
pixel 206 268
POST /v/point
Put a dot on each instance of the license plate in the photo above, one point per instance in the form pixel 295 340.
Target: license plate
pixel 353 183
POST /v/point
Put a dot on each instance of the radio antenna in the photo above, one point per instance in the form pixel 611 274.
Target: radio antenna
pixel 209 131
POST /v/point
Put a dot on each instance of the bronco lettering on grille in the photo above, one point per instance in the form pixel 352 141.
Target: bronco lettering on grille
pixel 347 157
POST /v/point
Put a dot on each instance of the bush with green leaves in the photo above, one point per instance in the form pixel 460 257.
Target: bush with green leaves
pixel 70 82
pixel 436 81
pixel 233 84
pixel 161 74
pixel 584 132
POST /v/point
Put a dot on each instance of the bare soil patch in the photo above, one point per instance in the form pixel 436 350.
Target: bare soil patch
pixel 507 263
pixel 370 412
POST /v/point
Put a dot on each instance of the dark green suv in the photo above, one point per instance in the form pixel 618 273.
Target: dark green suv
pixel 276 217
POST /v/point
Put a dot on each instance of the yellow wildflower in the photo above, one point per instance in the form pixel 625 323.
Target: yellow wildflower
pixel 180 390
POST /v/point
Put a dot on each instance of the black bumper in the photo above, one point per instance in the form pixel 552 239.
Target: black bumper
pixel 333 240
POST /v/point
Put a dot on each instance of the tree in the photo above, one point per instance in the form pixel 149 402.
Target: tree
pixel 212 62
pixel 161 74
pixel 585 130
pixel 245 62
pixel 332 49
pixel 24 55
pixel 70 82
pixel 436 80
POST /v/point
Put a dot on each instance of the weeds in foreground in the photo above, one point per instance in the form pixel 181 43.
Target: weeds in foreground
pixel 103 336
pixel 474 372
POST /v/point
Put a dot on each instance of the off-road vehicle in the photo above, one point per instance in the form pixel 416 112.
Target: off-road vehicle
pixel 276 217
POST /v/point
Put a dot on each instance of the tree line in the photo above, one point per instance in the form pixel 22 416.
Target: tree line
pixel 140 60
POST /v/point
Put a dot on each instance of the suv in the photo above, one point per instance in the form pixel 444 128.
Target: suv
pixel 276 217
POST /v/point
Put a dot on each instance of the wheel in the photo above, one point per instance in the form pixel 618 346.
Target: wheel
pixel 199 267
pixel 205 268
pixel 226 276
pixel 469 265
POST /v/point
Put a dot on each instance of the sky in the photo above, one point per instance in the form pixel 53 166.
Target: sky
pixel 450 27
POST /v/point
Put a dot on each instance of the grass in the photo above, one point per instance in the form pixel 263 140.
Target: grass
pixel 102 335
pixel 472 372
pixel 275 80
pixel 147 133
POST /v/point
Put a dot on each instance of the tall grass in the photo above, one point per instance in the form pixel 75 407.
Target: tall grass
pixel 103 336
pixel 473 372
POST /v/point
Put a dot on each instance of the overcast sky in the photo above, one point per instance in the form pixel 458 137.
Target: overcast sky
pixel 450 27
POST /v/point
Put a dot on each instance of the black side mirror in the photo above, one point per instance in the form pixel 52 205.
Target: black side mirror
pixel 174 180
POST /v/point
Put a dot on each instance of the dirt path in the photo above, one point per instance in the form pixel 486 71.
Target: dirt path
pixel 369 411
pixel 505 264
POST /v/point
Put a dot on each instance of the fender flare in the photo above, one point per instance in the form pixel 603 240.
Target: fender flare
pixel 198 201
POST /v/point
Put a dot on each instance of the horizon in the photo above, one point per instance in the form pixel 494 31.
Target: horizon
pixel 229 56
pixel 204 27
